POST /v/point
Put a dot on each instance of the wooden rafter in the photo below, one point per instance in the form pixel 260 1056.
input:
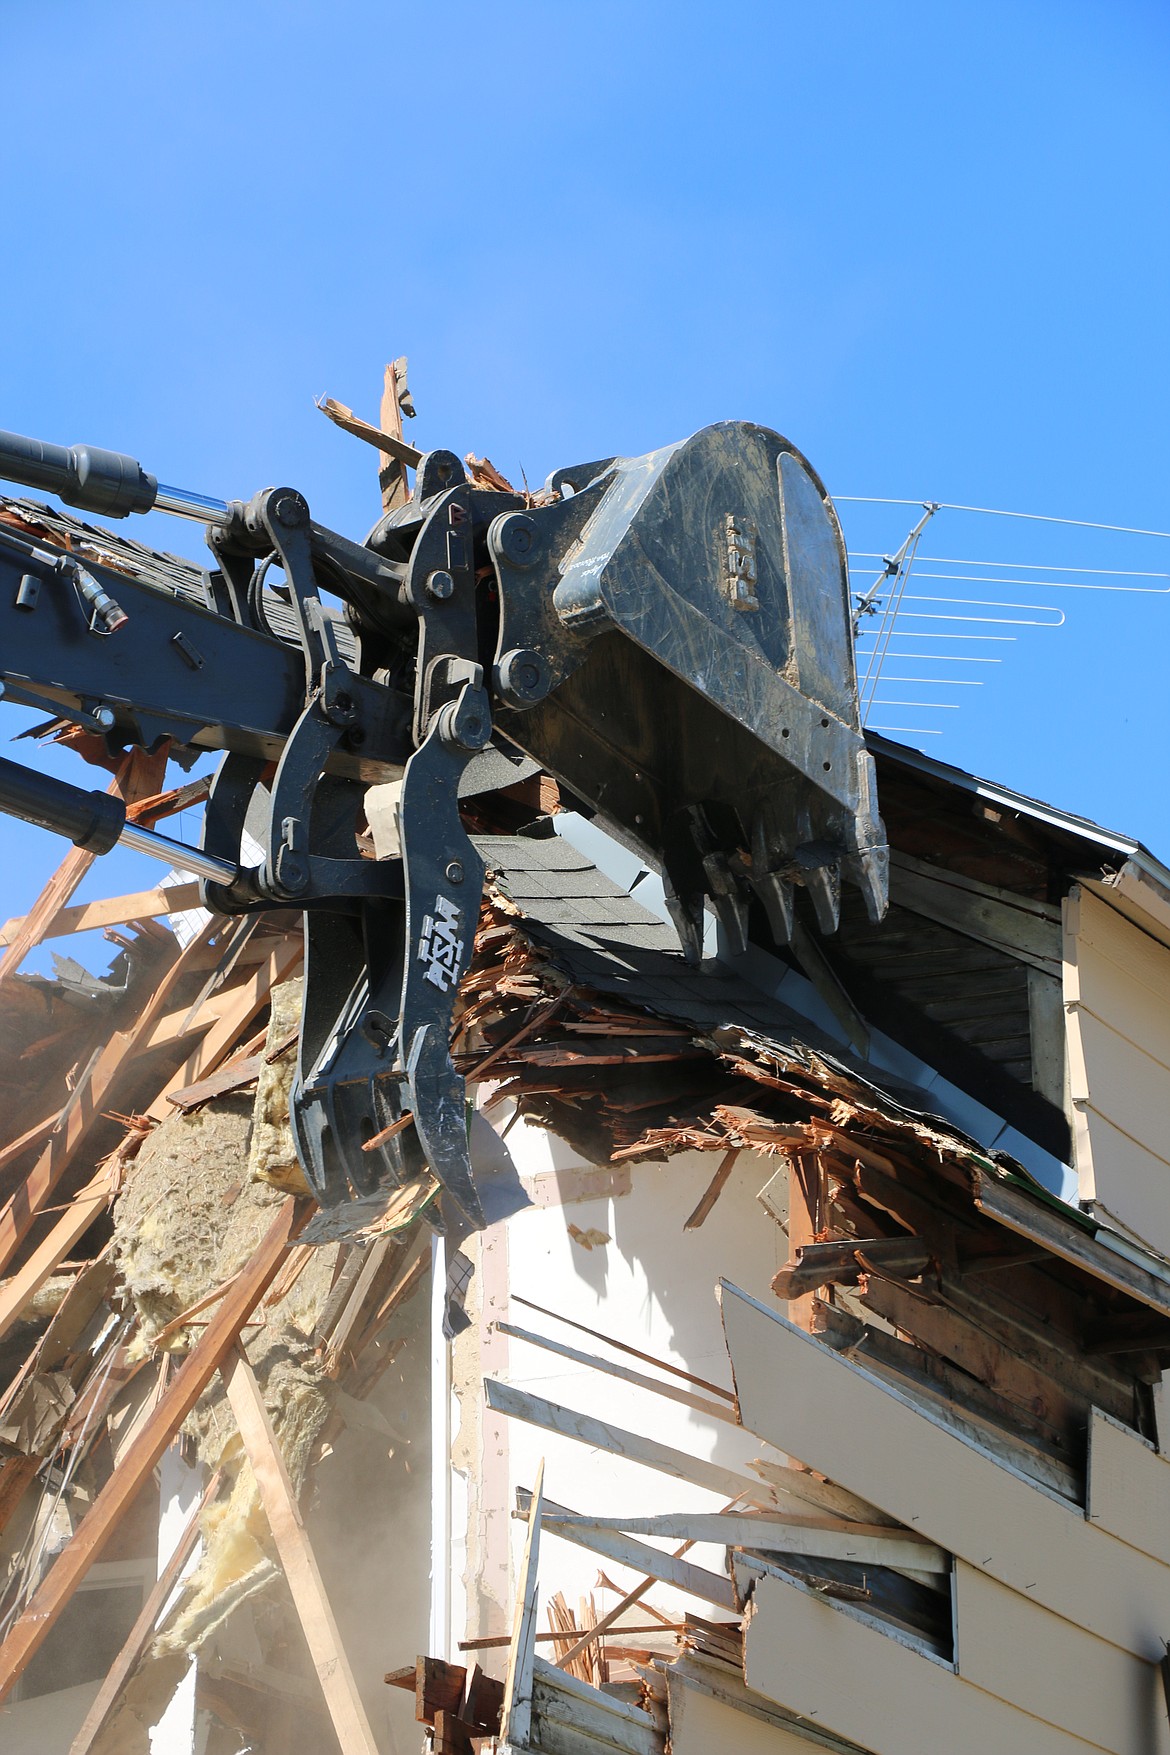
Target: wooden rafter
pixel 41 1613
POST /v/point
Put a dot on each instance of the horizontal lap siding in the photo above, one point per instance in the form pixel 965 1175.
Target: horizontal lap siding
pixel 1117 993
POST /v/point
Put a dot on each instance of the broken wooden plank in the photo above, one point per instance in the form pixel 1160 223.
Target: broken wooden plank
pixel 85 1106
pixel 700 1404
pixel 811 1403
pixel 569 1714
pixel 438 1687
pixel 1063 1237
pixel 393 447
pixel 516 1712
pixel 56 1589
pixel 505 1398
pixel 31 1137
pixel 684 1575
pixel 495 1641
pixel 111 911
pixel 240 1007
pixel 624 1347
pixel 296 1557
pixel 804 1220
pixel 74 1222
pixel 844 1261
pixel 140 1635
pixel 869 1544
pixel 218 1084
pixel 713 1190
pixel 139 776
pixel 484 1701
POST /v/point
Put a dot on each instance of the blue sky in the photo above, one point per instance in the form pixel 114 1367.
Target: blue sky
pixel 927 242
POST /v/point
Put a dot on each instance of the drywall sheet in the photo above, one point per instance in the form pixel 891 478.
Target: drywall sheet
pixel 828 1665
pixel 835 1417
pixel 1129 1487
pixel 1116 978
pixel 1013 1648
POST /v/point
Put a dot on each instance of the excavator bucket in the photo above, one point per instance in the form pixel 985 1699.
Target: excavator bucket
pixel 669 636
pixel 701 694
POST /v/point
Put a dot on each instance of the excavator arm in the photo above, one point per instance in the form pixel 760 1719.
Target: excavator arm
pixel 668 636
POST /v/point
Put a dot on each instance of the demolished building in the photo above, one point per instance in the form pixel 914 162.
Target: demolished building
pixel 802 1390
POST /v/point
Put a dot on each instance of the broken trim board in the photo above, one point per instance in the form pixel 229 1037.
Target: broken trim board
pixel 570 1715
pixel 504 1398
pixel 516 1709
pixel 684 1575
pixel 870 1545
pixel 837 1418
pixel 824 1663
pixel 673 1391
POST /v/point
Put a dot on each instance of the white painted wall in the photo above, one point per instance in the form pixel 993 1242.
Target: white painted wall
pixel 652 1285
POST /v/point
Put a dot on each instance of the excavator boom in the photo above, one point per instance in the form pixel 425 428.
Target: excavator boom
pixel 668 636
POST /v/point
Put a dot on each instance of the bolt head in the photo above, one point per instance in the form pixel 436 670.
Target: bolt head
pixel 292 873
pixel 440 586
pixel 516 539
pixel 455 872
pixel 291 511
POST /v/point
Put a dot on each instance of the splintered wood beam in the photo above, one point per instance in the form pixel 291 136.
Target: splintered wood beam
pixel 139 777
pixel 56 1589
pixel 391 444
pixel 843 1262
pixel 142 1632
pixel 16 1474
pixel 804 1218
pixel 296 1557
pixel 698 1581
pixel 111 911
pixel 713 1190
pixel 627 1602
pixel 85 1106
pixel 239 1006
pixel 74 1222
pixel 26 1141
pixel 393 461
pixel 494 1641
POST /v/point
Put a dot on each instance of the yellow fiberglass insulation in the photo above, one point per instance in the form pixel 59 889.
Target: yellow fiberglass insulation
pixel 272 1157
pixel 190 1215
